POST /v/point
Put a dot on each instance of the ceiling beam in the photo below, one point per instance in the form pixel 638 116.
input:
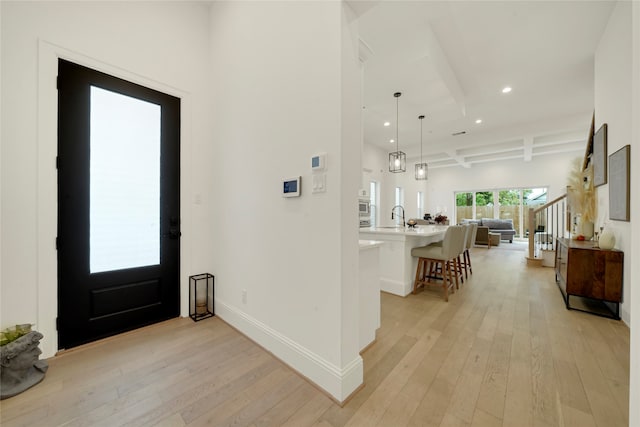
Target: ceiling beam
pixel 528 148
pixel 444 69
pixel 459 159
pixel 364 50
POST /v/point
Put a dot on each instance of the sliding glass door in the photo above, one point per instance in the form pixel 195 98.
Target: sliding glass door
pixel 508 203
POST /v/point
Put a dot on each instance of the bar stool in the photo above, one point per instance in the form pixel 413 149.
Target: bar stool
pixel 466 258
pixel 460 264
pixel 444 257
pixel 461 247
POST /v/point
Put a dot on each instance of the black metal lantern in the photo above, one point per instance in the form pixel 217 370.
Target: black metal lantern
pixel 201 291
pixel 397 159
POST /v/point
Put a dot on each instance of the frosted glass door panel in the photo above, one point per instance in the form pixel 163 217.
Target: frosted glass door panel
pixel 124 199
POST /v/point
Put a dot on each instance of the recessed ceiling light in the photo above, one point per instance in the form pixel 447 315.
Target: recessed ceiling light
pixel 392 141
pixel 478 121
pixel 387 124
pixel 506 89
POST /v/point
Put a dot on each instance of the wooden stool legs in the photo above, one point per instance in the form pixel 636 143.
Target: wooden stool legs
pixel 428 269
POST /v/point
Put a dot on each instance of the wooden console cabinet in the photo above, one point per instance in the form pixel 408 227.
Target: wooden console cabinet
pixel 593 275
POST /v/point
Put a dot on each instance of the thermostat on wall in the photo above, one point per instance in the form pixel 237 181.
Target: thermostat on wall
pixel 291 187
pixel 319 162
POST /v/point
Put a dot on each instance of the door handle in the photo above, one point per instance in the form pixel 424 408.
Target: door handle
pixel 174 228
pixel 173 234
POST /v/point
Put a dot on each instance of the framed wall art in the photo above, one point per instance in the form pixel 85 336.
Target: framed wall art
pixel 599 156
pixel 619 184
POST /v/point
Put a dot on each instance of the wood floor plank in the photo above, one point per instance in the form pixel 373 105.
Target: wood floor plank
pixel 465 395
pixel 604 406
pixel 337 416
pixel 280 413
pixel 404 404
pixel 545 403
pixel 174 420
pixel 260 396
pixel 432 407
pixel 178 396
pixel 493 389
pixel 485 419
pixel 570 386
pixel 220 395
pixel 374 408
pixel 576 418
pixel 519 400
pixel 311 413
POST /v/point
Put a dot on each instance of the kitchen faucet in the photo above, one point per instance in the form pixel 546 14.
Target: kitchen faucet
pixel 393 217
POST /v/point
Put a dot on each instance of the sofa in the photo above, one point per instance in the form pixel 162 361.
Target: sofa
pixel 502 226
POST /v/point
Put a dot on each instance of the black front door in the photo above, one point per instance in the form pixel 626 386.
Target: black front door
pixel 118 205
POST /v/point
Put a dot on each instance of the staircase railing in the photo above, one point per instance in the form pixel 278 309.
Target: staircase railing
pixel 546 224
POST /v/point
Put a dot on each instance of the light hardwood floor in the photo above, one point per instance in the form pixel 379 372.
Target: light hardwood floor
pixel 502 352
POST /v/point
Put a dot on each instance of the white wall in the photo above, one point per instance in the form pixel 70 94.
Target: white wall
pixel 613 103
pixel 286 86
pixel 162 45
pixel 543 171
pixel 375 167
pixel 634 376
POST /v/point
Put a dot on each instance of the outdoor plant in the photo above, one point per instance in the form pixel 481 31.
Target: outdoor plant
pixel 13 333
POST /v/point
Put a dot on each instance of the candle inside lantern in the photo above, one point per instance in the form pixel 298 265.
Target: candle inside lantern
pixel 201 298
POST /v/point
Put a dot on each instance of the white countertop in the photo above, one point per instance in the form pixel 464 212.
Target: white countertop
pixel 369 244
pixel 420 230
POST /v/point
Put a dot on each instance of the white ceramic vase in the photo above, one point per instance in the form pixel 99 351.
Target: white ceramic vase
pixel 607 239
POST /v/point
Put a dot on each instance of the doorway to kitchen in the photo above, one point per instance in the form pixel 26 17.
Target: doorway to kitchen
pixel 118 205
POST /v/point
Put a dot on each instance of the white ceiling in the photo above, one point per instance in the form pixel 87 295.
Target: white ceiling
pixel 450 60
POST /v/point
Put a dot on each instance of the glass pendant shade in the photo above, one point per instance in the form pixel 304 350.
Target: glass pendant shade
pixel 421 171
pixel 397 162
pixel 397 159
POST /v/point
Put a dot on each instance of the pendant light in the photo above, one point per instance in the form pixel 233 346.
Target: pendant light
pixel 397 159
pixel 421 168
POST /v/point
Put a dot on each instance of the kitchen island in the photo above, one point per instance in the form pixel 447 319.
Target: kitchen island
pixel 369 291
pixel 397 266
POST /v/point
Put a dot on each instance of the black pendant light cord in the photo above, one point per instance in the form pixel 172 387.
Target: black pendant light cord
pixel 397 95
pixel 421 118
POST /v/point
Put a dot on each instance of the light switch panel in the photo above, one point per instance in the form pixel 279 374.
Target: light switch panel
pixel 319 183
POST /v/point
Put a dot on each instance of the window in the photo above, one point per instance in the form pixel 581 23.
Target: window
pixel 124 190
pixel 420 204
pixel 510 207
pixel 399 200
pixel 464 206
pixel 509 203
pixel 484 204
pixel 373 200
pixel 533 198
pixel 399 196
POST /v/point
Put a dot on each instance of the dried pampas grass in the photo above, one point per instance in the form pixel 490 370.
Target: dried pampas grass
pixel 580 191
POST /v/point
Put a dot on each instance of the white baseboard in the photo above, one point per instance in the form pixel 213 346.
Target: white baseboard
pixel 339 382
pixel 395 287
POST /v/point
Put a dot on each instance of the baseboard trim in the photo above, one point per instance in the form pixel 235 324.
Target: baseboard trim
pixel 534 262
pixel 395 287
pixel 339 383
